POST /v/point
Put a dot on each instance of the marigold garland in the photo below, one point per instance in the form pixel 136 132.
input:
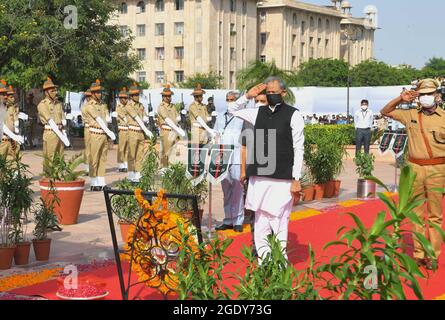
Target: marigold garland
pixel 28 279
pixel 157 233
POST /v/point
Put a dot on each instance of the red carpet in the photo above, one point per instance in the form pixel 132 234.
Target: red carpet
pixel 316 230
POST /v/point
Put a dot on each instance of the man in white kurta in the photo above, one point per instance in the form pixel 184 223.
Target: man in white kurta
pixel 271 194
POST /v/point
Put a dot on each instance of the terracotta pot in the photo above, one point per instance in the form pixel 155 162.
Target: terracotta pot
pixel 337 188
pixel 124 226
pixel 21 254
pixel 319 191
pixel 189 214
pixel 297 200
pixel 42 249
pixel 70 195
pixel 6 256
pixel 332 189
pixel 308 194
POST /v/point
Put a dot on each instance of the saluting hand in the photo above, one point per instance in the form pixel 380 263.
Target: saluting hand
pixel 255 91
pixel 409 95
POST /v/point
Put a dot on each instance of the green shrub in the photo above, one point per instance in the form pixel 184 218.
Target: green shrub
pixel 365 164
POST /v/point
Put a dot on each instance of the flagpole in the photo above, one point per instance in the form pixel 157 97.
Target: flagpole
pixel 210 210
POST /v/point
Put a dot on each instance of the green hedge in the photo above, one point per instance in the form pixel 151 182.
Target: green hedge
pixel 345 133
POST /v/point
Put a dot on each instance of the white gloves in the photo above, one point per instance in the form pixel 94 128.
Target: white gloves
pixel 23 116
pixel 184 112
pixel 104 127
pixel 69 116
pixel 214 114
pixel 114 114
pixel 151 114
pixel 64 122
pixel 59 133
pixel 16 138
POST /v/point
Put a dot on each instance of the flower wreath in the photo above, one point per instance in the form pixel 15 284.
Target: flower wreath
pixel 157 243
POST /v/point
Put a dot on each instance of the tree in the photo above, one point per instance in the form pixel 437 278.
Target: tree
pixel 435 67
pixel 35 43
pixel 373 73
pixel 209 80
pixel 258 71
pixel 324 73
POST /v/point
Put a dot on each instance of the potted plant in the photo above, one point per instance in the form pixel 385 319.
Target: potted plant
pixel 125 207
pixel 307 186
pixel 44 218
pixel 175 181
pixel 16 199
pixel 62 177
pixel 7 247
pixel 366 189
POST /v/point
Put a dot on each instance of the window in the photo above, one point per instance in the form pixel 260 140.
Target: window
pixel 262 16
pixel 179 53
pixel 328 25
pixel 140 7
pixel 179 28
pixel 232 29
pixel 141 53
pixel 232 77
pixel 179 5
pixel 320 24
pixel 294 59
pixel 232 54
pixel 233 5
pixel 123 9
pixel 294 39
pixel 140 30
pixel 159 29
pixel 312 22
pixel 159 76
pixel 244 7
pixel 263 58
pixel 198 4
pixel 142 76
pixel 179 76
pixel 303 27
pixel 263 38
pixel 244 55
pixel 159 6
pixel 159 53
pixel 303 50
pixel 294 19
pixel 124 30
pixel 220 28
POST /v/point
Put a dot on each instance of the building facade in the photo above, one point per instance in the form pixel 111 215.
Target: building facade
pixel 177 38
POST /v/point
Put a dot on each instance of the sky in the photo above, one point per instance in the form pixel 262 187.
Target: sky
pixel 411 31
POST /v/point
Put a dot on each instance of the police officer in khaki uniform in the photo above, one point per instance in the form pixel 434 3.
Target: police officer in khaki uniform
pixel 51 115
pixel 168 118
pixel 121 112
pixel 137 131
pixel 97 114
pixel 9 145
pixel 426 134
pixel 86 129
pixel 199 117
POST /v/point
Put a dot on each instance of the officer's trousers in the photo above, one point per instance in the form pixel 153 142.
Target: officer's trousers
pixel 122 152
pixel 428 178
pixel 168 139
pixel 233 197
pixel 9 149
pixel 51 145
pixel 135 150
pixel 98 154
pixel 87 153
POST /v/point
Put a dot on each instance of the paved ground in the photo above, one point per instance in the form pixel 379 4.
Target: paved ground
pixel 90 239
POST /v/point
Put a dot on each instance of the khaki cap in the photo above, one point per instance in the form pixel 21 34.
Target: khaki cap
pixel 198 91
pixel 3 87
pixel 49 84
pixel 95 87
pixel 123 93
pixel 428 86
pixel 134 90
pixel 167 91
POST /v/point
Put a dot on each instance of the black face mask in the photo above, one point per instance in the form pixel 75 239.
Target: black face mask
pixel 274 99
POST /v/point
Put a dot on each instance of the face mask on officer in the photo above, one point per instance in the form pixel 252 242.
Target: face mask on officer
pixel 427 101
pixel 274 99
pixel 364 107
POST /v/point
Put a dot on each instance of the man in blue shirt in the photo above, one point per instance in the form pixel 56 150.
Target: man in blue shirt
pixel 229 129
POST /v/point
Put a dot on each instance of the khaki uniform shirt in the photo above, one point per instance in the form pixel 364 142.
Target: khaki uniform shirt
pixel 433 128
pixel 122 115
pixel 93 110
pixel 198 110
pixel 135 109
pixel 50 110
pixel 166 110
pixel 11 116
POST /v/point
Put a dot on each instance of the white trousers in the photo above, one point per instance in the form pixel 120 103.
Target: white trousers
pixel 266 224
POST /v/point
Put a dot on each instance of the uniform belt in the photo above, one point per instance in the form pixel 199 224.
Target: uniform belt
pixel 134 128
pixel 48 127
pixel 86 126
pixel 123 128
pixel 5 138
pixel 166 128
pixel 428 162
pixel 96 130
pixel 197 125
